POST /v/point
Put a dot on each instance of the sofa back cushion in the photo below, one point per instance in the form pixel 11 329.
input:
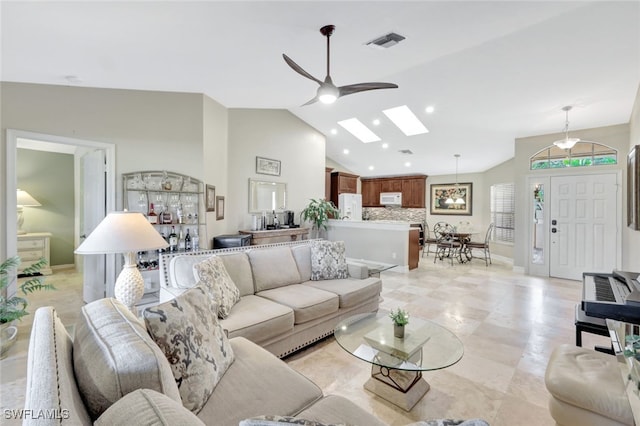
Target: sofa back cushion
pixel 302 255
pixel 51 385
pixel 181 270
pixel 113 355
pixel 239 269
pixel 273 267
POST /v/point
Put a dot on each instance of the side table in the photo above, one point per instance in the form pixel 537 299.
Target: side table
pixel 33 246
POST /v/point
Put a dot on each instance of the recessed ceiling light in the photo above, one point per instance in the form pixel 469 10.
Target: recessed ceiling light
pixel 376 122
pixel 407 164
pixel 385 145
pixel 345 151
pixel 334 131
pixel 406 120
pixel 371 167
pixel 429 109
pixel 359 130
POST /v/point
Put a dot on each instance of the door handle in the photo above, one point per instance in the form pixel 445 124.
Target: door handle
pixel 83 236
pixel 554 230
pixel 554 222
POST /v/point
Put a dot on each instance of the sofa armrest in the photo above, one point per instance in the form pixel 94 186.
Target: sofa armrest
pixel 357 270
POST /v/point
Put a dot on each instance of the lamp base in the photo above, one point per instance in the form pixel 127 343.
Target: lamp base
pixel 129 287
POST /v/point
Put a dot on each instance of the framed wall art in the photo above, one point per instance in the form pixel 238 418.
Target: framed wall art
pixel 267 166
pixel 219 207
pixel 210 198
pixel 440 192
pixel 633 188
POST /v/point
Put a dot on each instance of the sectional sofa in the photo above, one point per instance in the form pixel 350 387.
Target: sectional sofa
pixel 281 308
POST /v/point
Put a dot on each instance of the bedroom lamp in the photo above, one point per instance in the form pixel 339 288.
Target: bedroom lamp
pixel 24 199
pixel 127 233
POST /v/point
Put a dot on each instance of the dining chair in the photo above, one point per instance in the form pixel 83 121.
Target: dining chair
pixel 484 246
pixel 446 244
pixel 428 240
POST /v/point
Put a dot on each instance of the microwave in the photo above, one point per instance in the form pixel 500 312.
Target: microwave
pixel 391 198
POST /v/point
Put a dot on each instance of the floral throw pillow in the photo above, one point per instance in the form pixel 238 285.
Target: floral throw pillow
pixel 328 260
pixel 215 276
pixel 187 331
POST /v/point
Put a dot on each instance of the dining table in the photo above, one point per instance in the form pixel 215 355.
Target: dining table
pixel 463 237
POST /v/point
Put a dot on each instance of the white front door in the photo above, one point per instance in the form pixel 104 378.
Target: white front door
pixel 92 211
pixel 583 225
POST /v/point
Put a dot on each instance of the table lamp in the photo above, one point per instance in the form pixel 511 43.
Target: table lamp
pixel 126 233
pixel 24 199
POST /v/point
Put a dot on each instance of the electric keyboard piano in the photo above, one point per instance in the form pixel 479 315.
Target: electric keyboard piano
pixel 615 295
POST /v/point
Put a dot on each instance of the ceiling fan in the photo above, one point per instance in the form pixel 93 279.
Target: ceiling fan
pixel 329 92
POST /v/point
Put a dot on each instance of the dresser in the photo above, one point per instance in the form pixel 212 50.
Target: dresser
pixel 277 235
pixel 33 246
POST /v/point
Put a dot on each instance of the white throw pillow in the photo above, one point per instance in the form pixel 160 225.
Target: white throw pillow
pixel 214 275
pixel 328 261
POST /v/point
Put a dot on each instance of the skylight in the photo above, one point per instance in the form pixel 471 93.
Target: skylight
pixel 406 120
pixel 359 130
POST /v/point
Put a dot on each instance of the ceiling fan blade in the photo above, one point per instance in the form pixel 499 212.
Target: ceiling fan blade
pixel 297 68
pixel 361 87
pixel 311 101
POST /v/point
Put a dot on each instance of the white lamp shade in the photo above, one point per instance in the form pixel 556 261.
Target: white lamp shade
pixel 24 199
pixel 122 232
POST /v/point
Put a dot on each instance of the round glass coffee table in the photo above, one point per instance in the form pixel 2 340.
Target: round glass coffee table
pixel 397 364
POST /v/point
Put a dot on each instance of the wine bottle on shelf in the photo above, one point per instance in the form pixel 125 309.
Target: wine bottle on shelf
pixel 180 214
pixel 181 241
pixel 166 217
pixel 195 241
pixel 187 241
pixel 173 240
pixel 152 216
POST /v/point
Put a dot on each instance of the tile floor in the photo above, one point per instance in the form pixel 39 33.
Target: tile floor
pixel 508 322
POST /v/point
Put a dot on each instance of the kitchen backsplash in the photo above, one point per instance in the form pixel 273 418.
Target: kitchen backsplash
pixel 394 213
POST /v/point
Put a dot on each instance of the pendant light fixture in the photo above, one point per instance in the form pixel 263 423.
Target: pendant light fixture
pixel 455 198
pixel 567 142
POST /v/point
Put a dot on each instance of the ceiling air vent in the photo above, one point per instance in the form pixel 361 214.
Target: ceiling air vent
pixel 405 151
pixel 386 41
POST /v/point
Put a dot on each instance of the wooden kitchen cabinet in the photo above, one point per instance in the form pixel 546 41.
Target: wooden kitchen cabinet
pixel 370 189
pixel 413 189
pixel 342 183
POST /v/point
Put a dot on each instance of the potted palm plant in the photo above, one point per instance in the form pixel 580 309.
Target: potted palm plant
pixel 15 307
pixel 318 213
pixel 400 318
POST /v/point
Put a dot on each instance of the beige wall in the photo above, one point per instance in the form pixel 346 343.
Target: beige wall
pixel 631 238
pixel 616 136
pixel 279 135
pixel 480 199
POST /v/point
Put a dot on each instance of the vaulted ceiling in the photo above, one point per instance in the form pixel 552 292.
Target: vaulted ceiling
pixel 492 71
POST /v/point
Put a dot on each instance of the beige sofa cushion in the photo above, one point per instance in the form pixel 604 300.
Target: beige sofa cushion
pixel 113 355
pixel 51 384
pixel 302 256
pixel 589 397
pixel 147 407
pixel 308 303
pixel 336 409
pixel 273 267
pixel 258 319
pixel 186 329
pixel 351 292
pixel 268 386
pixel 239 269
pixel 215 277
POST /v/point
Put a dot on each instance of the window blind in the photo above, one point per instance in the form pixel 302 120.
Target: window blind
pixel 503 211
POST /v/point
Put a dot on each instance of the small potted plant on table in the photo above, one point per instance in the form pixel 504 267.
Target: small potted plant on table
pixel 400 318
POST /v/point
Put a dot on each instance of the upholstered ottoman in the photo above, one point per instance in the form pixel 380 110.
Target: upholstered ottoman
pixel 586 388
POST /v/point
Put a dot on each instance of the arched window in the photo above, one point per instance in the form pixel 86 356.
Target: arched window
pixel 582 154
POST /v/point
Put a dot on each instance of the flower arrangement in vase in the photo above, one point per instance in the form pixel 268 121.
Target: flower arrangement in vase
pixel 400 318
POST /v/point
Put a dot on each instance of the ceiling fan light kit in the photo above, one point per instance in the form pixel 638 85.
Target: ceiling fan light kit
pixel 328 92
pixel 567 142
